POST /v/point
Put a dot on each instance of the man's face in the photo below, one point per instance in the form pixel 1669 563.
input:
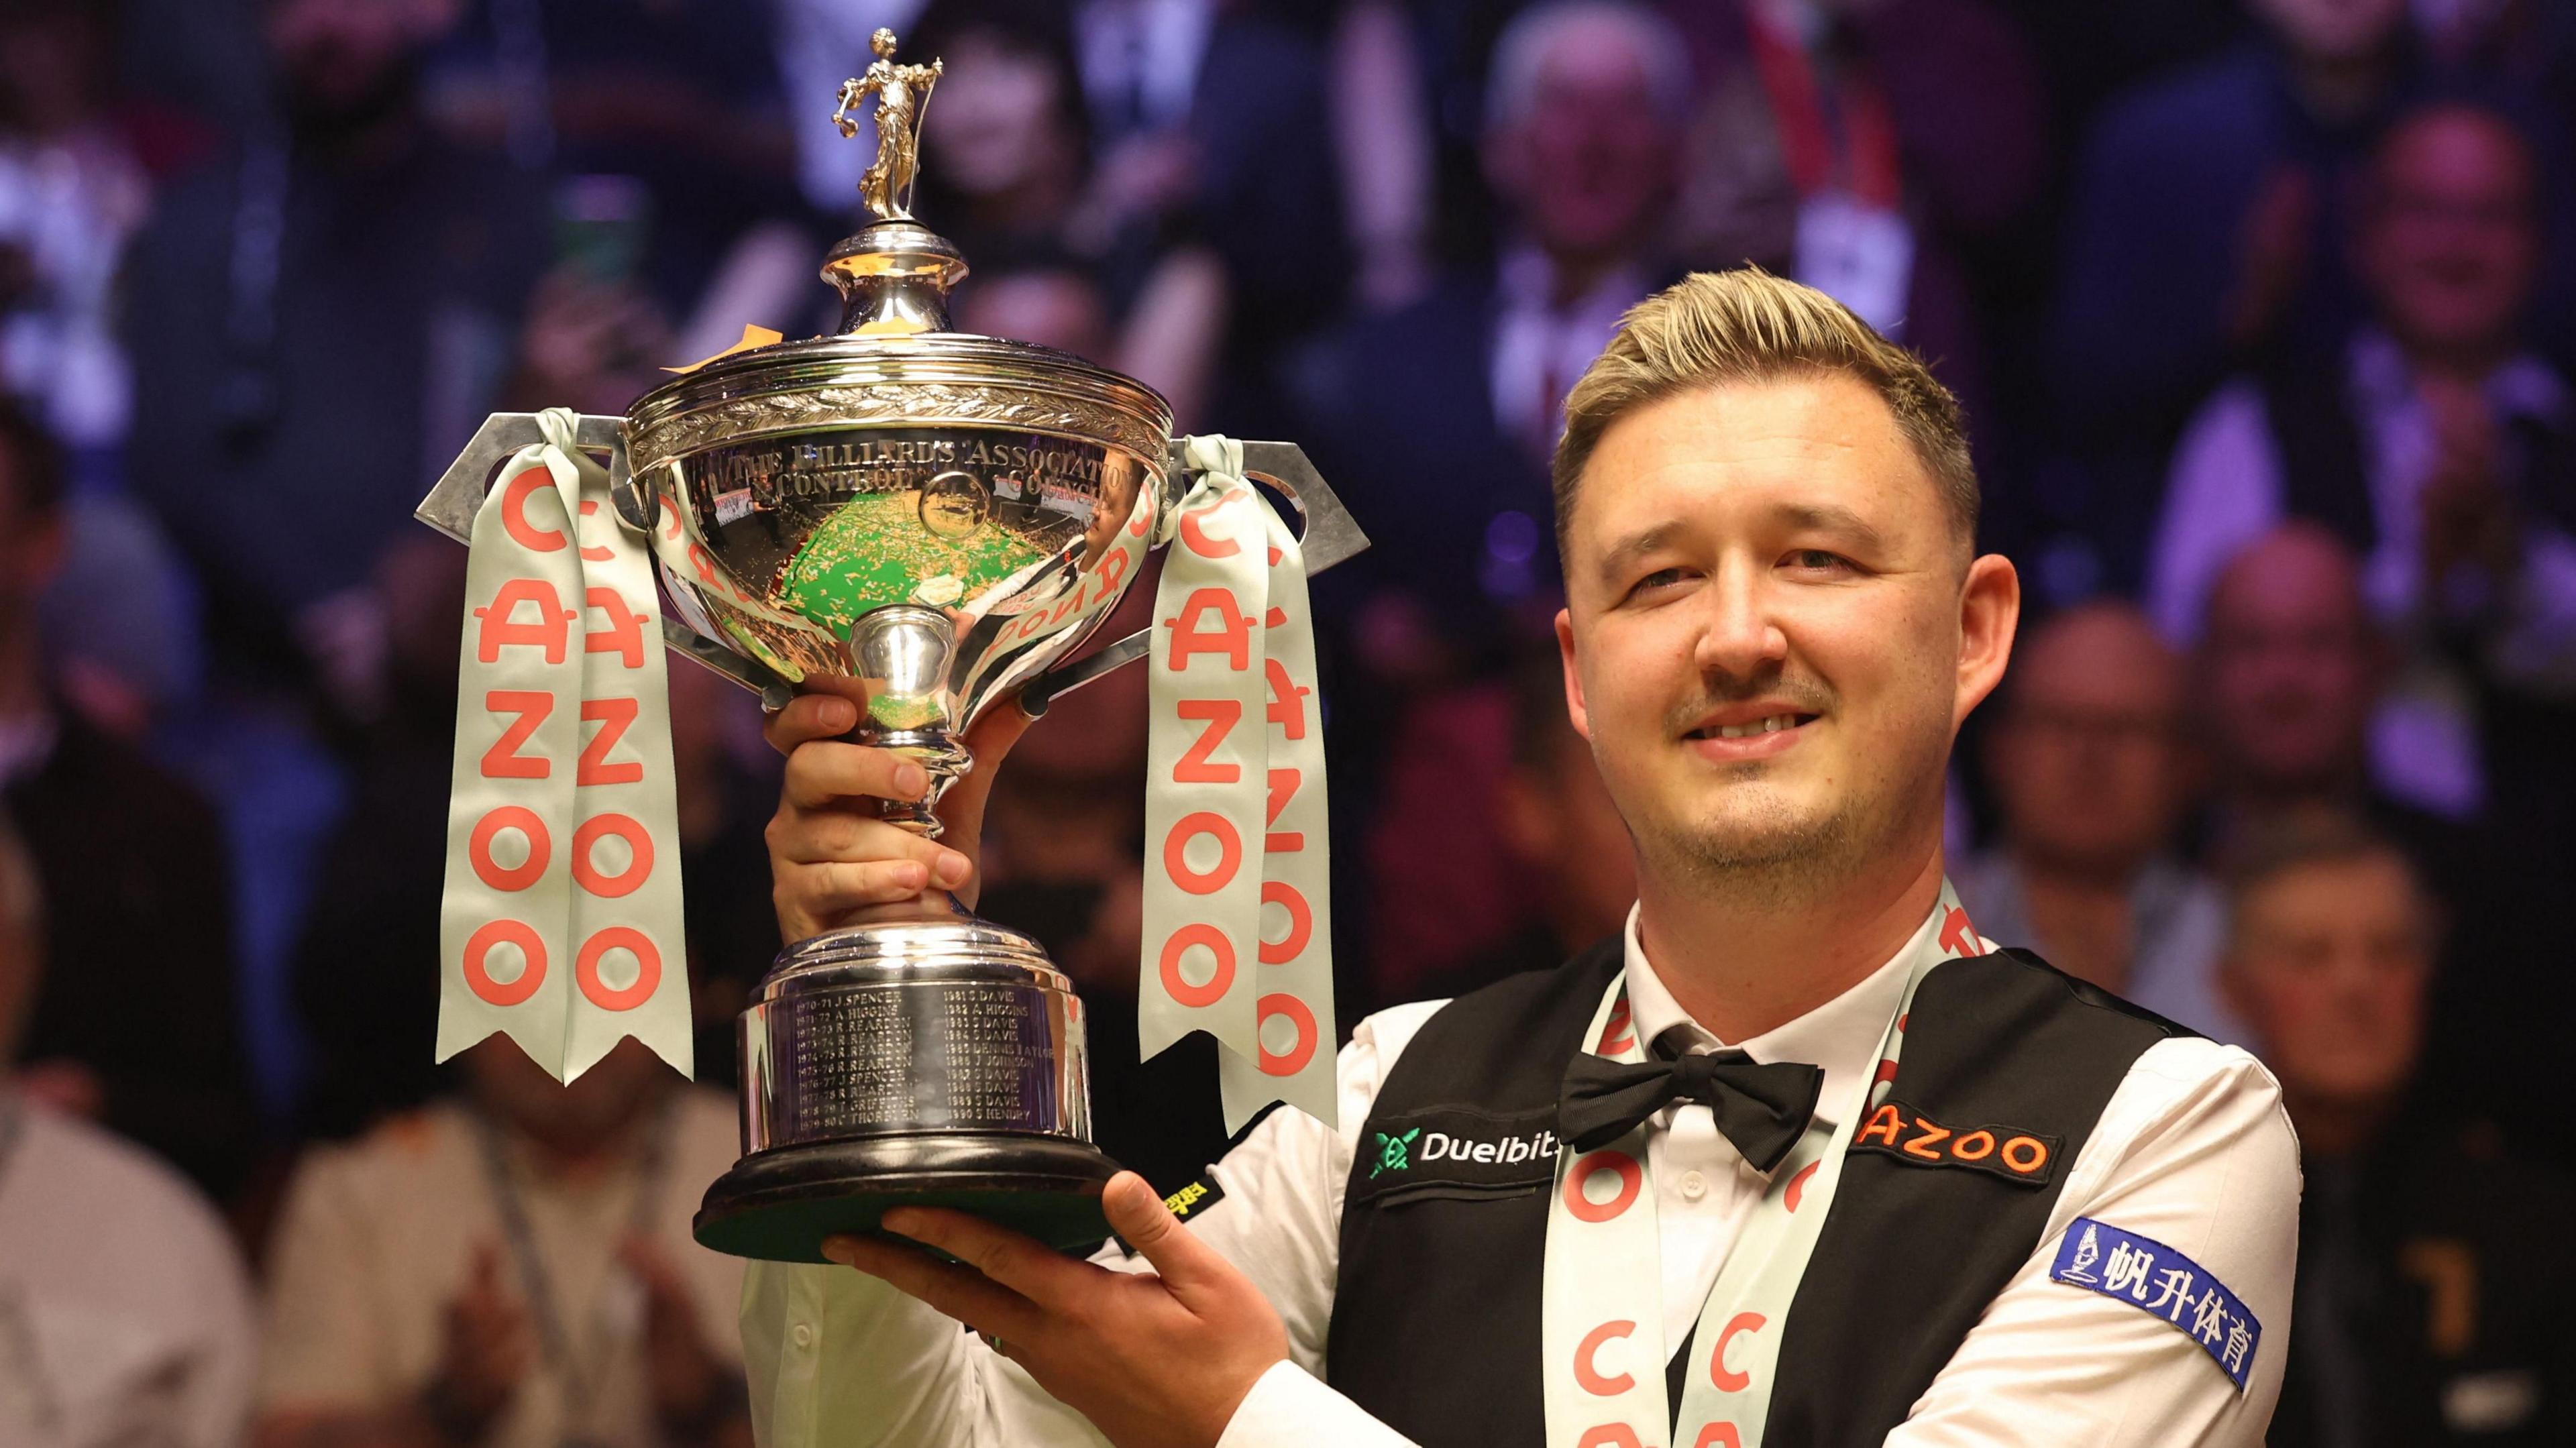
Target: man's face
pixel 999 118
pixel 2087 761
pixel 2287 665
pixel 1590 168
pixel 2333 29
pixel 2328 964
pixel 2451 249
pixel 1765 637
pixel 571 1119
pixel 338 58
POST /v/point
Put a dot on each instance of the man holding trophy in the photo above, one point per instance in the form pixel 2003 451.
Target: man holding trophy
pixel 1799 1159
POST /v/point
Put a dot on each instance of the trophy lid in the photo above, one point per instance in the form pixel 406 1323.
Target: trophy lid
pixel 894 355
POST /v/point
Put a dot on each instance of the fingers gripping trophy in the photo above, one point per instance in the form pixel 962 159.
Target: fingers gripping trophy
pixel 932 525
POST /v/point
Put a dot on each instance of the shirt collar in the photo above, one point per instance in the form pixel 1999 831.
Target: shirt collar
pixel 1843 1035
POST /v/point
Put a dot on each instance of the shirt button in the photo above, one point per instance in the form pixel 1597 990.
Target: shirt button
pixel 1694 1186
pixel 804 1334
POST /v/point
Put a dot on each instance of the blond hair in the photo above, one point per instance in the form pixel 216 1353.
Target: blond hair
pixel 1713 328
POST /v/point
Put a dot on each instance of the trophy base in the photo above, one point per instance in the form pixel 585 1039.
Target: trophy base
pixel 779 1205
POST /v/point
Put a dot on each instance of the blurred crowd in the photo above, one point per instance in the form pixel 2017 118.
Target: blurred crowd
pixel 2263 312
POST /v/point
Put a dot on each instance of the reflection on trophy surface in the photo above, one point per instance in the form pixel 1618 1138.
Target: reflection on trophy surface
pixel 924 521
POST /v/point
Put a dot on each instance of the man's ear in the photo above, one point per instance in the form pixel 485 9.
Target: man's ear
pixel 1574 709
pixel 1989 615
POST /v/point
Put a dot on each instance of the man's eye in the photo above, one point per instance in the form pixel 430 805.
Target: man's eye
pixel 1657 579
pixel 1818 560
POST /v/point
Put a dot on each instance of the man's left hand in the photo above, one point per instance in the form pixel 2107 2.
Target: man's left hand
pixel 695 1394
pixel 1157 1360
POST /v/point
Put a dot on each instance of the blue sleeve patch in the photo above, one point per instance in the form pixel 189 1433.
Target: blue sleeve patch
pixel 2153 1277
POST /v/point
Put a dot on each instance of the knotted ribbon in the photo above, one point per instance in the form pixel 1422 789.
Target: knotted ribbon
pixel 1238 917
pixel 561 926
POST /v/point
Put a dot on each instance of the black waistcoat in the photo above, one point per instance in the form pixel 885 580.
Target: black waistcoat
pixel 1436 1314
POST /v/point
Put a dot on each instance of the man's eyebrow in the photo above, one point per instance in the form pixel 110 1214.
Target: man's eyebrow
pixel 1647 540
pixel 1835 518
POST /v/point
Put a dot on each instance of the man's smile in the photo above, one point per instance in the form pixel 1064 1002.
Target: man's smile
pixel 1755 730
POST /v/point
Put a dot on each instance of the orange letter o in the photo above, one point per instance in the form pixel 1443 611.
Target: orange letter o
pixel 648 968
pixel 478 978
pixel 478 847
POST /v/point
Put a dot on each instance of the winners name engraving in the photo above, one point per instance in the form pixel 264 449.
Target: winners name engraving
pixel 928 1057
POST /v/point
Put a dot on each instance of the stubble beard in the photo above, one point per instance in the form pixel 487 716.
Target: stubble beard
pixel 1764 851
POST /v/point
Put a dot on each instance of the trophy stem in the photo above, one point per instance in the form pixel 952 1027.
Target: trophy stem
pixel 901 655
pixel 935 750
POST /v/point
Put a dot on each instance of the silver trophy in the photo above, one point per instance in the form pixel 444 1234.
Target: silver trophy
pixel 931 524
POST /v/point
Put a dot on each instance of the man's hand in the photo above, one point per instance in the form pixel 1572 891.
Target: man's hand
pixel 1154 1361
pixel 490 1343
pixel 2464 515
pixel 692 1388
pixel 68 1086
pixel 832 861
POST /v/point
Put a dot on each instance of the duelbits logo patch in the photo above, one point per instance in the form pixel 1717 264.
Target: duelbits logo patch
pixel 1455 1150
pixel 1394 1153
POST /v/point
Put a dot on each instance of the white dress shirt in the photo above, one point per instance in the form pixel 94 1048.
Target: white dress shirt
pixel 2193 1150
pixel 125 1315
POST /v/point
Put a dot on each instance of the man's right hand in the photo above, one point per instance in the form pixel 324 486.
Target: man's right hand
pixel 489 1345
pixel 832 860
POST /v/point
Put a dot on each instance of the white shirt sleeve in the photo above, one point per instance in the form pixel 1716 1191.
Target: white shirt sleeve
pixel 837 1359
pixel 2224 491
pixel 2194 1151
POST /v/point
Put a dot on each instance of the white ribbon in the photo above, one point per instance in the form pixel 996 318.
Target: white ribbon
pixel 561 925
pixel 1601 1299
pixel 1238 915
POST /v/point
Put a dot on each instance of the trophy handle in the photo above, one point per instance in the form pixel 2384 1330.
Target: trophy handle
pixel 1329 535
pixel 452 504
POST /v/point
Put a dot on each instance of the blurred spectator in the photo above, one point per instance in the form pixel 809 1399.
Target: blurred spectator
pixel 2440 451
pixel 2433 1266
pixel 2091 774
pixel 1382 138
pixel 2207 222
pixel 1168 340
pixel 512 1269
pixel 1863 147
pixel 1006 149
pixel 136 1025
pixel 1005 178
pixel 1437 420
pixel 318 321
pixel 71 192
pixel 681 98
pixel 2289 671
pixel 1499 850
pixel 124 1305
pixel 1211 121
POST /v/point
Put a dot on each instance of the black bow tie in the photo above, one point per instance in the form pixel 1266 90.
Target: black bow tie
pixel 1762 1107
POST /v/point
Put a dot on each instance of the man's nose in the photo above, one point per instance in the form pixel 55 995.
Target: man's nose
pixel 1738 636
